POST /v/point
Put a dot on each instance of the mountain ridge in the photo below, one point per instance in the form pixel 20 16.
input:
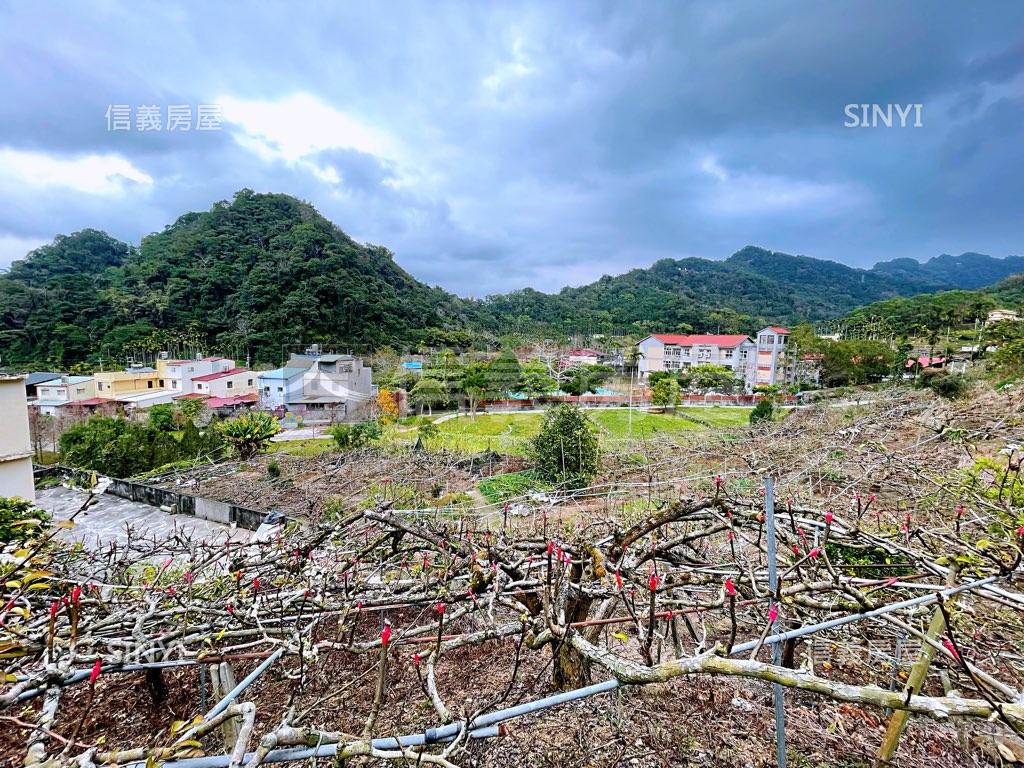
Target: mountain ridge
pixel 263 271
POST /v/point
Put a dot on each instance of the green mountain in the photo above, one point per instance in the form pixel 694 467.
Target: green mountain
pixel 750 289
pixel 943 309
pixel 264 272
pixel 247 277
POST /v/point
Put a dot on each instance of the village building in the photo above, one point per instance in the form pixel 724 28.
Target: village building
pixel 34 379
pixel 134 378
pixel 996 315
pixel 226 383
pixel 675 351
pixel 576 357
pixel 773 366
pixel 178 375
pixel 279 387
pixel 15 444
pixel 318 386
pixel 763 362
pixel 57 393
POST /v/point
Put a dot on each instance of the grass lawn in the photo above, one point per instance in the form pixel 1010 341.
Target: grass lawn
pixel 311 447
pixel 508 431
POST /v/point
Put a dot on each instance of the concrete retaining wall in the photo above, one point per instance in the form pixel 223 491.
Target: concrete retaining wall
pixel 179 503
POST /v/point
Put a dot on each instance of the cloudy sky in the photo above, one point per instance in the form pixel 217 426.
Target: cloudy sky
pixel 497 145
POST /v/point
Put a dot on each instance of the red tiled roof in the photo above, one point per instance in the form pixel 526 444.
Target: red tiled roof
pixel 212 359
pixel 924 361
pixel 778 329
pixel 221 375
pixel 91 401
pixel 689 340
pixel 192 396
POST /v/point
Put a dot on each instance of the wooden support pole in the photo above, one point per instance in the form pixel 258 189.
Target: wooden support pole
pixel 898 721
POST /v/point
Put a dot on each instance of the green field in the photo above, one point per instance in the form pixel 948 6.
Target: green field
pixel 507 432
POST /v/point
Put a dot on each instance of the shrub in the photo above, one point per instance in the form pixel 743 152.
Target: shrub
pixel 566 452
pixel 499 488
pixel 274 470
pixel 250 433
pixel 117 447
pixel 942 383
pixel 348 436
pixel 763 411
pixel 162 417
pixel 19 519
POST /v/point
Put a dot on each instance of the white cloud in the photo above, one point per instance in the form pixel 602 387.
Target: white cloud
pixel 301 125
pixel 753 193
pixel 510 71
pixel 93 174
pixel 13 248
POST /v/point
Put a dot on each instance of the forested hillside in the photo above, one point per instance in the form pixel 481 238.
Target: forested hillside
pixel 938 311
pixel 751 288
pixel 247 277
pixel 263 272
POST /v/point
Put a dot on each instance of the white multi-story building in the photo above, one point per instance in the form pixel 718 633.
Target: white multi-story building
pixel 15 443
pixel 675 351
pixel 760 362
pixel 772 364
pixel 178 375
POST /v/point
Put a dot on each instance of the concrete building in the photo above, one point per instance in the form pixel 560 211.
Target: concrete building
pixel 135 378
pixel 233 381
pixel 178 375
pixel 675 351
pixel 995 315
pixel 145 399
pixel 773 365
pixel 763 362
pixel 34 379
pixel 333 387
pixel 15 443
pixel 59 392
pixel 279 386
pixel 575 357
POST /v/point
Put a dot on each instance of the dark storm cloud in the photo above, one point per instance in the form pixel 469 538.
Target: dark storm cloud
pixel 493 147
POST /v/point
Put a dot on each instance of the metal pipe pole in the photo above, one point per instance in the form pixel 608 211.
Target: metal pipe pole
pixel 251 678
pixel 773 589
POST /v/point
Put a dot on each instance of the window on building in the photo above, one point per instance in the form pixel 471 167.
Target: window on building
pixel 149 384
pixel 280 389
pixel 728 353
pixel 161 383
pixel 266 390
pixel 249 384
pixel 231 384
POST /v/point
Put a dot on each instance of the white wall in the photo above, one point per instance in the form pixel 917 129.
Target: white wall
pixel 16 478
pixel 15 444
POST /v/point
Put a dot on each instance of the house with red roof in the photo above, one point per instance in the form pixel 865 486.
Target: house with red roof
pixel 226 384
pixel 678 351
pixel 762 361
